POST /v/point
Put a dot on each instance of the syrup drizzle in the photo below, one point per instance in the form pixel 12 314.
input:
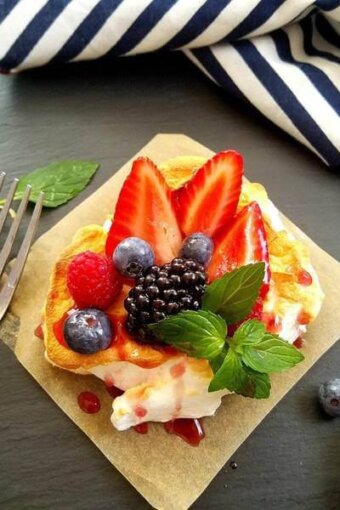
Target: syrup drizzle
pixel 188 429
pixel 114 391
pixel 88 402
pixel 304 277
pixel 58 330
pixel 299 342
pixel 142 428
pixel 39 332
pixel 303 317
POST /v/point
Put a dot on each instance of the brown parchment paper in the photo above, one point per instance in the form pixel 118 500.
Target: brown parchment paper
pixel 165 470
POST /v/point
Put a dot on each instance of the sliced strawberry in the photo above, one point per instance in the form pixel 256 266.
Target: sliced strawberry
pixel 144 209
pixel 243 242
pixel 209 200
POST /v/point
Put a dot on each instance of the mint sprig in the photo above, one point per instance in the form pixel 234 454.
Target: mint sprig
pixel 234 294
pixel 235 376
pixel 252 355
pixel 241 363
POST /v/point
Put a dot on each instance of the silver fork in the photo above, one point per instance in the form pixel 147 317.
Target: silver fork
pixel 8 289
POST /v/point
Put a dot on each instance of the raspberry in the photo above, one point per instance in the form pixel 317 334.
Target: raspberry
pixel 92 280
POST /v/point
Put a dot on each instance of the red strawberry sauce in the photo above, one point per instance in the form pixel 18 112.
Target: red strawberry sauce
pixel 142 428
pixel 58 330
pixel 39 332
pixel 304 277
pixel 298 342
pixel 88 402
pixel 188 429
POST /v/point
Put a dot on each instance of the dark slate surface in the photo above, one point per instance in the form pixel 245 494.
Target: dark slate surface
pixel 106 112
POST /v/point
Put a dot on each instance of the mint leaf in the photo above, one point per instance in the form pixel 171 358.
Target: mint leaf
pixel 271 355
pixel 249 333
pixel 235 376
pixel 234 294
pixel 260 382
pixel 231 375
pixel 216 363
pixel 200 334
pixel 60 181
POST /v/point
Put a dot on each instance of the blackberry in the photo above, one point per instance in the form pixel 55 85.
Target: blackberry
pixel 161 291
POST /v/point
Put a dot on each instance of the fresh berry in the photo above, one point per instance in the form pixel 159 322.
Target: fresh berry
pixel 199 247
pixel 209 200
pixel 243 242
pixel 88 331
pixel 132 256
pixel 144 209
pixel 164 291
pixel 92 280
pixel 329 396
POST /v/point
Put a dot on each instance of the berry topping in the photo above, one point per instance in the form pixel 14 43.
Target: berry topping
pixel 144 209
pixel 132 256
pixel 329 396
pixel 209 200
pixel 92 280
pixel 199 247
pixel 163 291
pixel 243 242
pixel 88 331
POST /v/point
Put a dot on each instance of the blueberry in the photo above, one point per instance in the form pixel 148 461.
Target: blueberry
pixel 132 256
pixel 329 397
pixel 88 331
pixel 199 247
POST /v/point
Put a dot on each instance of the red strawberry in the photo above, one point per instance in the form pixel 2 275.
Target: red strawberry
pixel 244 242
pixel 144 209
pixel 209 200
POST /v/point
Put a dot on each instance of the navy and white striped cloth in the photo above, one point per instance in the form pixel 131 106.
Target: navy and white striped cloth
pixel 282 56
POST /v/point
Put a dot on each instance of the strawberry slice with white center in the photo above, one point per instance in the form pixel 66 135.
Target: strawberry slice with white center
pixel 209 200
pixel 144 209
pixel 243 242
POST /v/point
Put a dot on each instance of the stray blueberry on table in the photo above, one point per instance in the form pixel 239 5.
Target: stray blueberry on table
pixel 329 397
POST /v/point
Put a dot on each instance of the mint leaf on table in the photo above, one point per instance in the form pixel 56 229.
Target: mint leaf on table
pixel 200 334
pixel 60 181
pixel 234 294
pixel 271 354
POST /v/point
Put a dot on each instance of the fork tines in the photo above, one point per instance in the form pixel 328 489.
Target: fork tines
pixel 11 283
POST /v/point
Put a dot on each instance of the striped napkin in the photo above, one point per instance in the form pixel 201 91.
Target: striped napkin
pixel 282 57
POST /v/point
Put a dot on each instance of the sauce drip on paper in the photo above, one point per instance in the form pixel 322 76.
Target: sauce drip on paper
pixel 188 429
pixel 88 402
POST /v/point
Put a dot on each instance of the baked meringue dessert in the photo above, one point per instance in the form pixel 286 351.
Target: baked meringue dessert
pixel 193 290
